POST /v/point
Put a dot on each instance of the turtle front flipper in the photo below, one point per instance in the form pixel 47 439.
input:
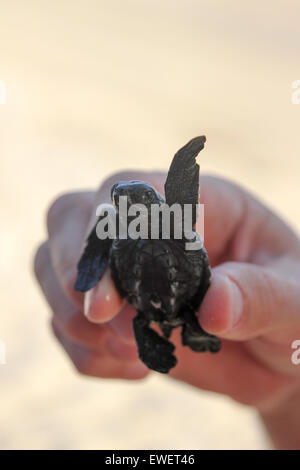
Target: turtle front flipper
pixel 182 183
pixel 154 350
pixel 93 261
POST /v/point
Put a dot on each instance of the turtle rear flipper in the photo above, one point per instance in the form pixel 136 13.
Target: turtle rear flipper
pixel 200 341
pixel 195 337
pixel 154 350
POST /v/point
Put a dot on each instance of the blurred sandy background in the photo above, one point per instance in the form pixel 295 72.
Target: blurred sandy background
pixel 96 86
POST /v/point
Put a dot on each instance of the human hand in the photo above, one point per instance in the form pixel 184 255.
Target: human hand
pixel 252 303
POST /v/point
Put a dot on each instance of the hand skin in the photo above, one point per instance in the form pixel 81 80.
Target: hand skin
pixel 253 303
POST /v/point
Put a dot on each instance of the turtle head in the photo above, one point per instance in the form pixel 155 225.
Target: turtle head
pixel 137 192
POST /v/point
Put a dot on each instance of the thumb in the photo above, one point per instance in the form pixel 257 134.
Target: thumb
pixel 246 300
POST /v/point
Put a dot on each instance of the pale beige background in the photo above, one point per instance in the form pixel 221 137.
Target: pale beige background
pixel 95 86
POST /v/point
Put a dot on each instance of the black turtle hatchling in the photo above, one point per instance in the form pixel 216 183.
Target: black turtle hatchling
pixel 163 280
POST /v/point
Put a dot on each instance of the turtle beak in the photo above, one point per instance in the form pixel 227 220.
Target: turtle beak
pixel 115 195
pixel 112 191
pixel 118 190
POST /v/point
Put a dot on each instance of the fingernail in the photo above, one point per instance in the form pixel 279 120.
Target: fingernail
pixel 102 302
pixel 222 306
pixel 87 302
pixel 237 303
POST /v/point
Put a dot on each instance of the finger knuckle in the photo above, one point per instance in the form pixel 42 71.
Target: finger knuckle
pixel 81 364
pixel 56 209
pixel 83 333
pixel 72 326
pixel 85 367
pixel 39 260
pixel 55 328
pixel 80 367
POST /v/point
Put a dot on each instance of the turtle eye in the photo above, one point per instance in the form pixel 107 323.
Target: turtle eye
pixel 150 195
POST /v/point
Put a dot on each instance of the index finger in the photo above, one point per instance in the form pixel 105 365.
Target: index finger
pixel 67 218
pixel 67 223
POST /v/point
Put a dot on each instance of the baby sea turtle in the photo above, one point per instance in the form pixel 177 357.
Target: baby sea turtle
pixel 163 280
